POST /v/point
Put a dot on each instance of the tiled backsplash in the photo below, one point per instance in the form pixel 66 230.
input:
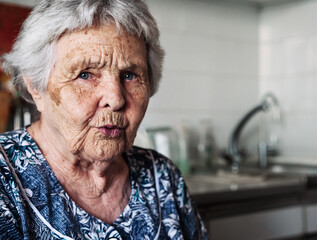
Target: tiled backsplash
pixel 288 66
pixel 222 58
pixel 211 66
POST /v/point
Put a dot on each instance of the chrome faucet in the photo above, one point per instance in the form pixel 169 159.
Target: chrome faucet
pixel 233 154
pixel 269 139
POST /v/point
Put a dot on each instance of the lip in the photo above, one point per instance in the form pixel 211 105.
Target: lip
pixel 110 131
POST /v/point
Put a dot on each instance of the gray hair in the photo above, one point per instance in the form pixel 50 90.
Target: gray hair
pixel 32 55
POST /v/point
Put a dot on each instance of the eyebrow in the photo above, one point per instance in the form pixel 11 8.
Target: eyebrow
pixel 134 67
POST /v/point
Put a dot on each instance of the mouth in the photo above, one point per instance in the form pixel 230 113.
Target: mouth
pixel 111 131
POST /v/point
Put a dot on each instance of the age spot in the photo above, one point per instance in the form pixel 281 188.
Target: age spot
pixel 55 95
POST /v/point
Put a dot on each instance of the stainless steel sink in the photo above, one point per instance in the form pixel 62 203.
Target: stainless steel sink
pixel 224 180
pixel 293 169
pixel 281 169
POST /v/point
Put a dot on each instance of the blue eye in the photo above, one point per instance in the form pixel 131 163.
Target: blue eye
pixel 84 75
pixel 129 76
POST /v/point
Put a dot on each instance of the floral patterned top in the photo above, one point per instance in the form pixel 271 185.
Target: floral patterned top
pixel 33 204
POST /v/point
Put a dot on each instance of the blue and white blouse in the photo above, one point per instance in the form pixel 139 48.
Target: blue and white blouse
pixel 33 204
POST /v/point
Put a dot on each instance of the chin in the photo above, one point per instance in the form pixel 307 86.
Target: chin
pixel 106 150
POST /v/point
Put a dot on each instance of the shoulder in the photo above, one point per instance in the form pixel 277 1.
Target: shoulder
pixel 14 138
pixel 10 191
pixel 157 167
pixel 16 144
pixel 15 134
pixel 20 151
pixel 11 144
pixel 149 158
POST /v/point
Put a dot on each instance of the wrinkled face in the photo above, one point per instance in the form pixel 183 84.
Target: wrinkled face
pixel 98 92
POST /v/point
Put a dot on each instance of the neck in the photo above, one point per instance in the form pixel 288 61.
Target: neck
pixel 101 188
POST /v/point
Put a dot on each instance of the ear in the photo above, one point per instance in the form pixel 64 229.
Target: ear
pixel 36 95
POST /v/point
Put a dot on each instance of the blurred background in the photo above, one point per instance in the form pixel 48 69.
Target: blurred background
pixel 222 58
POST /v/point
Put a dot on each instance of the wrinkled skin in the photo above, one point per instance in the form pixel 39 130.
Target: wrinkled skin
pixel 97 95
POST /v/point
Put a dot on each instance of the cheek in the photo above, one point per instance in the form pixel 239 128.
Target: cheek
pixel 137 106
pixel 55 95
pixel 138 92
pixel 77 94
pixel 135 115
pixel 73 102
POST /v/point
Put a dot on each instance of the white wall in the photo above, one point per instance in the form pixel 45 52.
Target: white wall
pixel 211 66
pixel 288 66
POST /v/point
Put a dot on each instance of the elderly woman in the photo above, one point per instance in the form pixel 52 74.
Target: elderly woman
pixel 90 67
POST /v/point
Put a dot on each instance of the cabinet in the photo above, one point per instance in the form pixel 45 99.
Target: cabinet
pixel 310 213
pixel 272 224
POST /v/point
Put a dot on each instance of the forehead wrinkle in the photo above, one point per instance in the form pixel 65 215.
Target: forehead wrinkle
pixel 115 55
pixel 126 58
pixel 84 61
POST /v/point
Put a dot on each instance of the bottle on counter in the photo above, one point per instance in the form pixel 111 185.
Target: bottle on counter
pixel 205 147
pixel 184 132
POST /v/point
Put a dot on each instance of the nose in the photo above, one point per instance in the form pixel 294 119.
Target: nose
pixel 112 95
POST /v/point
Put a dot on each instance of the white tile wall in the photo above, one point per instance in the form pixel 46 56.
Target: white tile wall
pixel 224 58
pixel 288 67
pixel 211 66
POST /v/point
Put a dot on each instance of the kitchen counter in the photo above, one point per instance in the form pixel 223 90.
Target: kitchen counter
pixel 225 194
